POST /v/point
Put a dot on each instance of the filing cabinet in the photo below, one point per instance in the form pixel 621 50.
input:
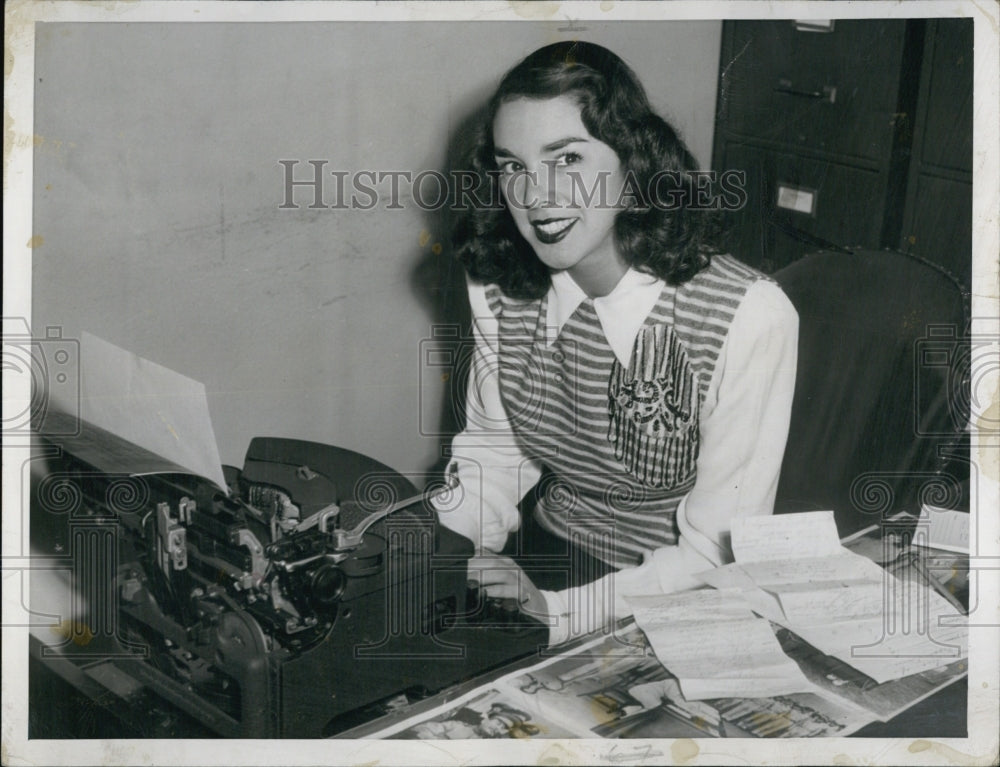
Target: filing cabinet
pixel 855 133
pixel 937 220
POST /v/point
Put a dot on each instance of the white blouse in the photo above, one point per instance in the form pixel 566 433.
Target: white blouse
pixel 743 427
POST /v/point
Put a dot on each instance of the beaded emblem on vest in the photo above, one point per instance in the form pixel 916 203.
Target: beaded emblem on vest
pixel 654 407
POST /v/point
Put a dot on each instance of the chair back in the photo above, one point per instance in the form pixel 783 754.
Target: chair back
pixel 881 406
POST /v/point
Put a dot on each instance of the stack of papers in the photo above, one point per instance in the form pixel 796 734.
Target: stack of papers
pixel 715 646
pixel 793 570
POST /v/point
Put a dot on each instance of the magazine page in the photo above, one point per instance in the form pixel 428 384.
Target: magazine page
pixel 615 687
pixel 841 681
pixel 516 692
pixel 483 713
pixel 632 698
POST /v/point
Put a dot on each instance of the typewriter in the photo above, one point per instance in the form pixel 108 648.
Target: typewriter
pixel 317 587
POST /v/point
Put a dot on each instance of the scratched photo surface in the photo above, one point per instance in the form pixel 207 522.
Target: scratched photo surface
pixel 260 200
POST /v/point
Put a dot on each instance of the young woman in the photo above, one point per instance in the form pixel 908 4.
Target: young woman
pixel 639 380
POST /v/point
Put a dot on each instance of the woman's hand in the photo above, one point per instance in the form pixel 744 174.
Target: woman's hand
pixel 502 578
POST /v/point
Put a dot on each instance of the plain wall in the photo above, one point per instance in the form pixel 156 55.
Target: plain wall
pixel 157 193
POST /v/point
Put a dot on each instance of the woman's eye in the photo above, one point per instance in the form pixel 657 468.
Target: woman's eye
pixel 510 166
pixel 569 158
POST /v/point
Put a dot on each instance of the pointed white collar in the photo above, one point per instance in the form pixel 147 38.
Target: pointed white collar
pixel 621 312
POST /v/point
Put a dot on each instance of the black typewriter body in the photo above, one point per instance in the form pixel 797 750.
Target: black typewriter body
pixel 244 614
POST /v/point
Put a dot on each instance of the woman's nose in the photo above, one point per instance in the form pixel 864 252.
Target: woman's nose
pixel 527 191
pixel 538 187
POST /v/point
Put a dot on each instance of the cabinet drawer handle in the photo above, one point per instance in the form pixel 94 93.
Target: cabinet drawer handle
pixel 829 92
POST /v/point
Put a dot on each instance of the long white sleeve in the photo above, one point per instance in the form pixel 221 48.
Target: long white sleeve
pixel 493 472
pixel 744 426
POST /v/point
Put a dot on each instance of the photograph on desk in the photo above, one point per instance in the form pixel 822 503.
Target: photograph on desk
pixel 605 694
pixel 598 691
pixel 599 686
pixel 488 715
pixel 501 374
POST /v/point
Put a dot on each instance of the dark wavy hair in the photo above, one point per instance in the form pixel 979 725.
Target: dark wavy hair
pixel 671 241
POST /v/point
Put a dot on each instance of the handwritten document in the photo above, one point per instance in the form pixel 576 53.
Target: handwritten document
pixel 784 536
pixel 715 646
pixel 840 602
pixel 841 566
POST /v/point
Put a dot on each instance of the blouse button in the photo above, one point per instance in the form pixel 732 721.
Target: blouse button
pixel 558 357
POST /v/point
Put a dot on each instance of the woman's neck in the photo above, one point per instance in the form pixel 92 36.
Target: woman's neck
pixel 600 279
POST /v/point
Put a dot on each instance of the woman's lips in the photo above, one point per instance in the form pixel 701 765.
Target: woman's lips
pixel 551 230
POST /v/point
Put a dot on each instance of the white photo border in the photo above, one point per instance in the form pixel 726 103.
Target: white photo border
pixel 984 681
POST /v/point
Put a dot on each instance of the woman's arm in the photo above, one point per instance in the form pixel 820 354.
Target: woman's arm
pixel 493 471
pixel 744 426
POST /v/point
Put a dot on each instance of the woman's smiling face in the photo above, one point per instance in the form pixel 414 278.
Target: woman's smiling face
pixel 563 187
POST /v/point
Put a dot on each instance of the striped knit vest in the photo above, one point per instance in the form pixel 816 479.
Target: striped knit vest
pixel 619 444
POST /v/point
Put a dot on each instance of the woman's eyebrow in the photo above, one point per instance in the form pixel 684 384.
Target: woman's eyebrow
pixel 557 145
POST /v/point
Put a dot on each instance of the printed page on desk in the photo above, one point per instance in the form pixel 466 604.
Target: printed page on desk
pixel 614 687
pixel 841 681
pixel 555 695
pixel 608 689
pixel 483 713
pixel 946 529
